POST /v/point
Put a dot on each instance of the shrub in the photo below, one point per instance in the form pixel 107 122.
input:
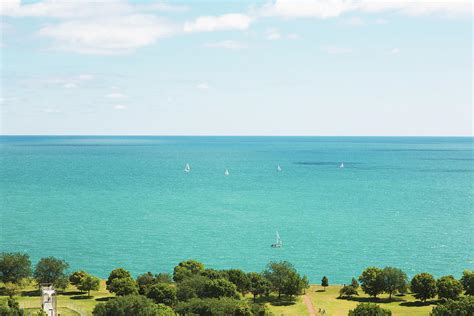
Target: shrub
pixel 462 307
pixel 467 281
pixel 348 291
pixel 131 305
pixel 369 309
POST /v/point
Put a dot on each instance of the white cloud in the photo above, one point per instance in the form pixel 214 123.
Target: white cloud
pixel 120 107
pixel 381 21
pixel 115 95
pixel 202 86
pixel 231 21
pixel 228 44
pixel 354 21
pixel 109 35
pixel 70 85
pixel 335 50
pixel 273 34
pixel 333 8
pixel 65 9
pixel 394 51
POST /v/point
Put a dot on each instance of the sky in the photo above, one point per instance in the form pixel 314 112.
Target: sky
pixel 277 67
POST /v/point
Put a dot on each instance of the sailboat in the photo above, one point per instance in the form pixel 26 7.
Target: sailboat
pixel 226 172
pixel 187 168
pixel 342 165
pixel 278 243
pixel 278 167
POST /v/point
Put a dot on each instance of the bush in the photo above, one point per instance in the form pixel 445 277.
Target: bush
pixel 220 288
pixel 462 307
pixel 11 308
pixel 131 305
pixel 162 293
pixel 123 286
pixel 369 309
pixel 214 306
pixel 348 291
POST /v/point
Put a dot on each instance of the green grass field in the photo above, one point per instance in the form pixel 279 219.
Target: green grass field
pixel 73 303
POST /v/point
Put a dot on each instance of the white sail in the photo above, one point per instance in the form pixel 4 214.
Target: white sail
pixel 278 168
pixel 187 168
pixel 226 172
pixel 278 243
pixel 342 165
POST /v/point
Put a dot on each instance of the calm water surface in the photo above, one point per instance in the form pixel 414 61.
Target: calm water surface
pixel 104 202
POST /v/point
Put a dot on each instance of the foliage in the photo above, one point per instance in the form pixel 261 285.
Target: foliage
pixel 186 269
pixel 214 274
pixel 369 309
pixel 324 282
pixel 348 291
pixel 163 278
pixel 144 281
pixel 123 286
pixel 371 281
pixel 354 283
pixel 220 288
pixel 11 308
pixel 214 306
pixel 258 285
pixel 424 286
pixel 448 287
pixel 467 281
pixel 462 307
pixel 89 283
pixel 131 305
pixel 76 277
pixel 10 289
pixel 52 271
pixel 394 280
pixel 240 279
pixel 14 267
pixel 192 287
pixel 283 278
pixel 162 293
pixel 118 273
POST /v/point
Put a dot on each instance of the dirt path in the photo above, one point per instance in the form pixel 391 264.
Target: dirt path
pixel 309 305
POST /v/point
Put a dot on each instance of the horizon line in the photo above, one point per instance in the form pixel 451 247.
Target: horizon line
pixel 221 135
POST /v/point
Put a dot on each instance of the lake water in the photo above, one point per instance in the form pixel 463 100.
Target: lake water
pixel 107 202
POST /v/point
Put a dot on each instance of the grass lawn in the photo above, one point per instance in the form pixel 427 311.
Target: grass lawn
pixel 328 300
pixel 74 303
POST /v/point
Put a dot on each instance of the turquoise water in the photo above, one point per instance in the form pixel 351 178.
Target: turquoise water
pixel 105 202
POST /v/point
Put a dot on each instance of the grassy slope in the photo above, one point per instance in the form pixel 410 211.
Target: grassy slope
pixel 73 303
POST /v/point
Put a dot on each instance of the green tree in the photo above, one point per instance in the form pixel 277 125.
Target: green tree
pixel 280 274
pixel 354 283
pixel 11 308
pixel 14 267
pixel 304 283
pixel 191 287
pixel 324 282
pixel 220 288
pixel 51 271
pixel 89 283
pixel 214 306
pixel 424 286
pixel 293 285
pixel 258 285
pixel 186 269
pixel 10 289
pixel 76 277
pixel 369 309
pixel 163 278
pixel 462 307
pixel 123 286
pixel 240 279
pixel 118 273
pixel 144 281
pixel 467 281
pixel 132 305
pixel 448 287
pixel 394 280
pixel 348 291
pixel 162 293
pixel 371 281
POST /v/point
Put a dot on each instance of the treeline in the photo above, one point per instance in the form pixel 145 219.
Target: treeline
pixel 191 289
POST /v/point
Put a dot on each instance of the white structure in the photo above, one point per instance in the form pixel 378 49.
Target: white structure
pixel 48 300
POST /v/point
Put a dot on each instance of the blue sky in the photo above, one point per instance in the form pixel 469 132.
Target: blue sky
pixel 280 67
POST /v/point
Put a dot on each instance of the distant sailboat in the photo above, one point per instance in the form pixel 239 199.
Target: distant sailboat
pixel 187 168
pixel 278 243
pixel 342 165
pixel 226 172
pixel 278 168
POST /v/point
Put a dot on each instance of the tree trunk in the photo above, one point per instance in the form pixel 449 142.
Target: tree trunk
pixel 254 298
pixel 390 295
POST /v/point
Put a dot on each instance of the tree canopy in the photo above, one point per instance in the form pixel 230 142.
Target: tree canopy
pixel 449 287
pixel 424 286
pixel 462 307
pixel 132 305
pixel 394 280
pixel 186 269
pixel 52 271
pixel 162 293
pixel 14 267
pixel 371 281
pixel 88 283
pixel 467 281
pixel 369 309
